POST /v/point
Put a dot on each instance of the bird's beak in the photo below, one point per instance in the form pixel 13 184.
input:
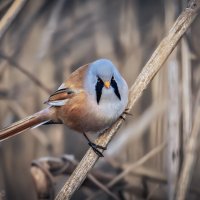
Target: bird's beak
pixel 107 84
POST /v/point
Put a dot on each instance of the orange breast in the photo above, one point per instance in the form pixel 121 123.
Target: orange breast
pixel 79 114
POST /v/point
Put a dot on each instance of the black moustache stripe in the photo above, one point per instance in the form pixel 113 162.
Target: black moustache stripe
pixel 99 87
pixel 113 83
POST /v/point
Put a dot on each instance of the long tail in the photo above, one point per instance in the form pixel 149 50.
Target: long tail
pixel 36 119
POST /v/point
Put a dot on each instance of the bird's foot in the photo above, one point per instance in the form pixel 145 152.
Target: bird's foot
pixel 122 117
pixel 126 112
pixel 96 148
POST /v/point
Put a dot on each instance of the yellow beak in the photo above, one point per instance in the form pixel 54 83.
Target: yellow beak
pixel 107 84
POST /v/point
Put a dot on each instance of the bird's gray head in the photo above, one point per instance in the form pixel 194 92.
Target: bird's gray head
pixel 103 81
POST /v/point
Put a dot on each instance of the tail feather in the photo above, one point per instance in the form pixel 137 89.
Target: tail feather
pixel 24 124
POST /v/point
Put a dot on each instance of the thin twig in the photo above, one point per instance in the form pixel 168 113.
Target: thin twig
pixel 148 174
pixel 133 166
pixel 149 71
pixel 102 187
pixel 135 130
pixel 45 169
pixel 140 162
pixel 94 180
pixel 26 72
pixel 10 15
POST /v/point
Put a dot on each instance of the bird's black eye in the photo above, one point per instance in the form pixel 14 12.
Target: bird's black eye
pixel 99 80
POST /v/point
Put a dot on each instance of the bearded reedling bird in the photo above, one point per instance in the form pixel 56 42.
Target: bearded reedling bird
pixel 90 100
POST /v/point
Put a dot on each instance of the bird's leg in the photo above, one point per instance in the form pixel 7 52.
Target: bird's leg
pixel 126 111
pixel 122 117
pixel 94 146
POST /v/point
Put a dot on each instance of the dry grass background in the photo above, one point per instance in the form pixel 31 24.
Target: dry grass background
pixel 50 39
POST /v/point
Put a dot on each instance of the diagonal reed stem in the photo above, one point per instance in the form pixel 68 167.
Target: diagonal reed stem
pixel 154 64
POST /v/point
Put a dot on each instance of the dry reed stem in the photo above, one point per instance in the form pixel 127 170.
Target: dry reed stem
pixel 10 15
pixel 173 124
pixel 147 173
pixel 45 169
pixel 49 30
pixel 136 164
pixel 186 87
pixel 149 71
pixel 139 126
pixel 190 157
pixel 96 182
pixel 102 187
pixel 31 76
pixel 173 111
pixel 132 166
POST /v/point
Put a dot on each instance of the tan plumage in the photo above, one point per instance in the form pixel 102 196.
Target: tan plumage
pixel 55 114
pixel 91 99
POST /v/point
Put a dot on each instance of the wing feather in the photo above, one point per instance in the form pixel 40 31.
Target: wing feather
pixel 60 97
pixel 69 88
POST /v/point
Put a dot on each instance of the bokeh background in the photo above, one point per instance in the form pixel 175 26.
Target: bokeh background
pixel 48 40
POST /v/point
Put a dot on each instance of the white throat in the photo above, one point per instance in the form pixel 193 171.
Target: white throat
pixel 110 106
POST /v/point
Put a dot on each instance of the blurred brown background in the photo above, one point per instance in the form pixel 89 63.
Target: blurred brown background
pixel 50 39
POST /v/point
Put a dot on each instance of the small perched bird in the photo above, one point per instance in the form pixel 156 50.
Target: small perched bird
pixel 90 100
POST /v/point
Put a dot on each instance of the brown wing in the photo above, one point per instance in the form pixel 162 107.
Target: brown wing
pixel 76 79
pixel 60 97
pixel 61 94
pixel 72 86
